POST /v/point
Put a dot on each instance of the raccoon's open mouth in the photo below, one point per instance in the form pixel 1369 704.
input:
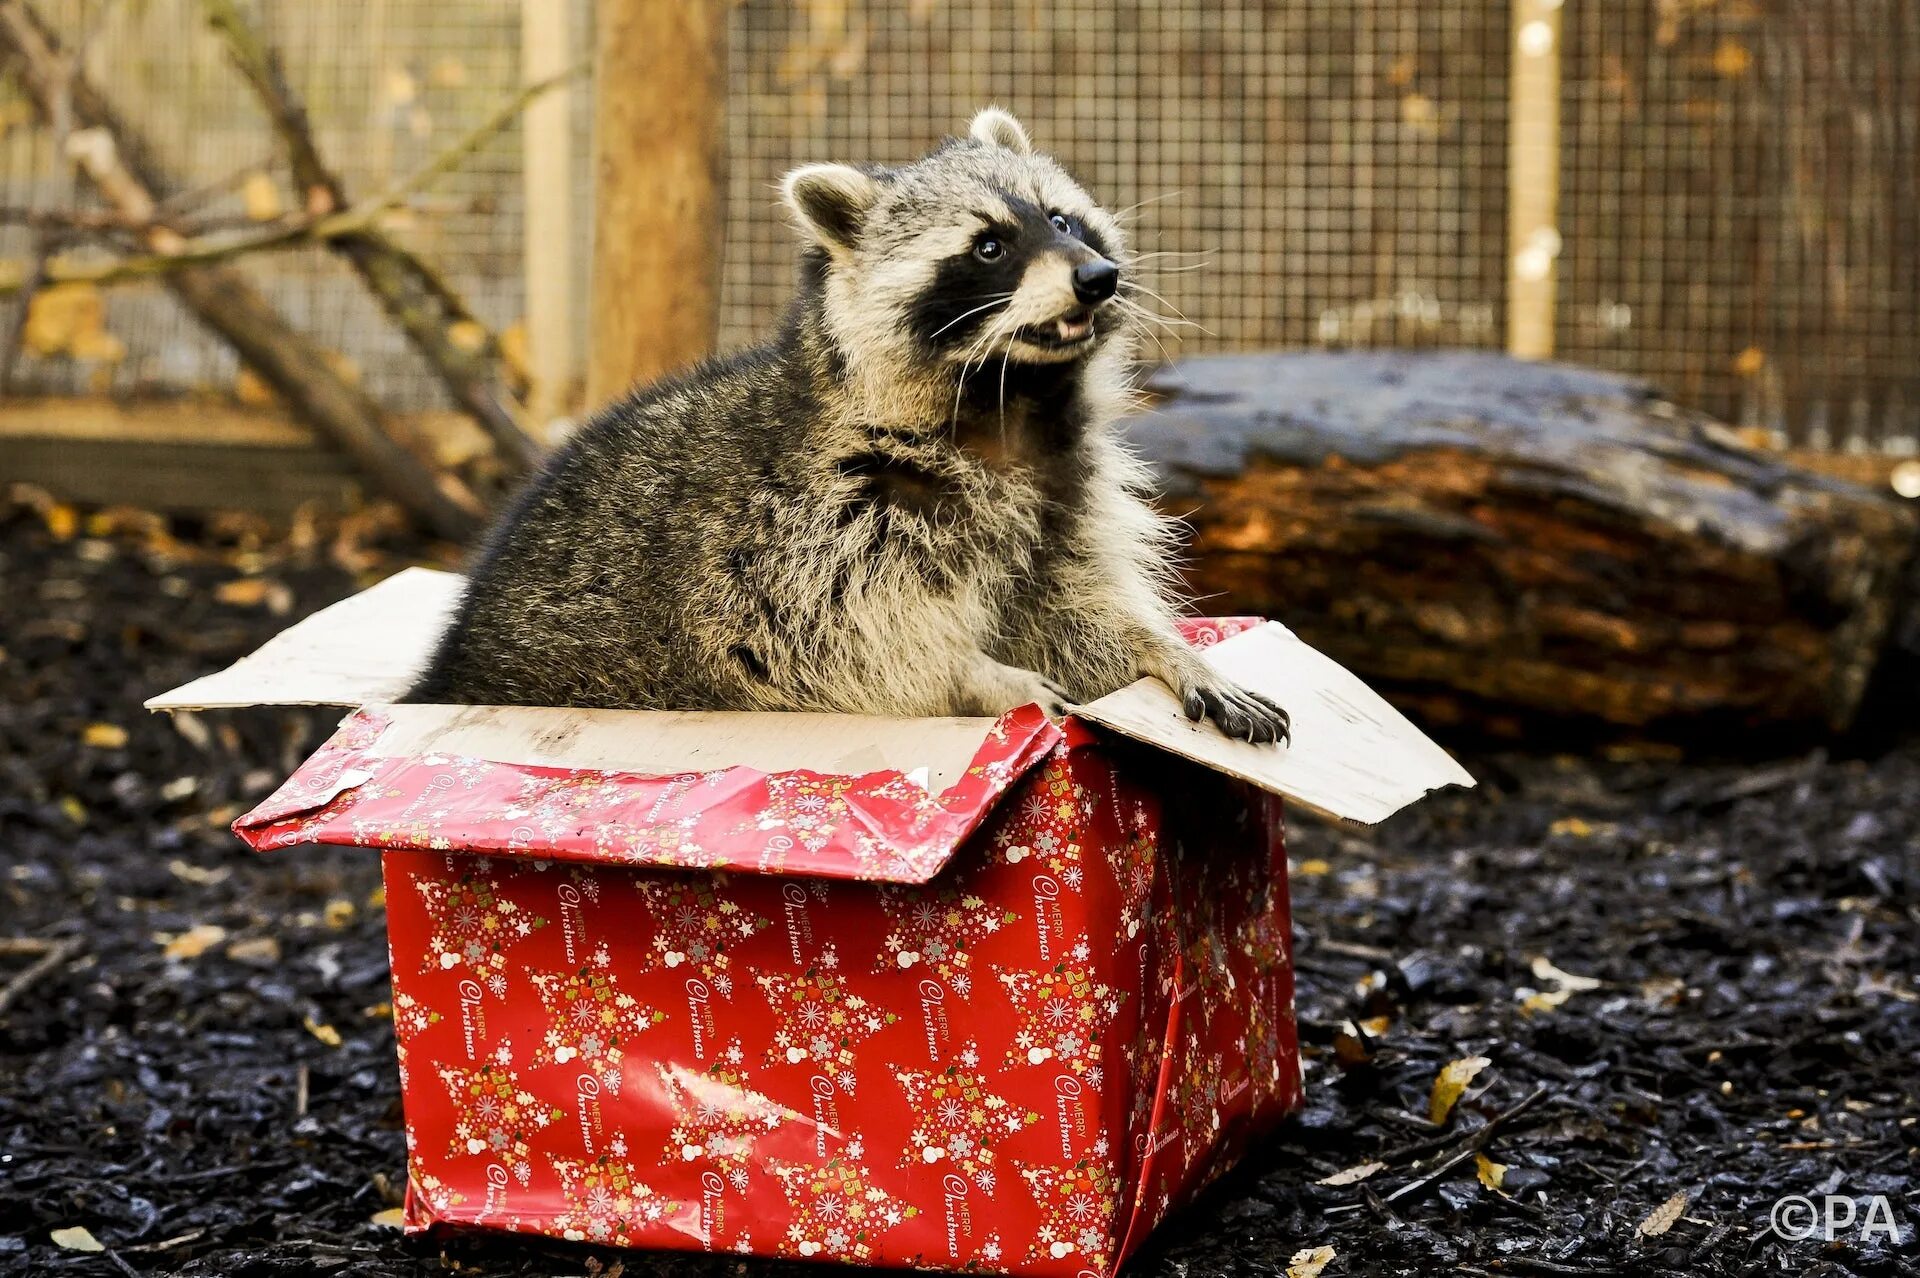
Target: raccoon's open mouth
pixel 1066 330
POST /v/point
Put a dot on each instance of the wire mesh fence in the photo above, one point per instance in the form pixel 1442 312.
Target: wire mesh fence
pixel 1738 213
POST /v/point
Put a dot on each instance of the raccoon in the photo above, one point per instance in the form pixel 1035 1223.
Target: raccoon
pixel 910 501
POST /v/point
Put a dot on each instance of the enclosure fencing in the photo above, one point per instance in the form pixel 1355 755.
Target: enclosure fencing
pixel 1737 212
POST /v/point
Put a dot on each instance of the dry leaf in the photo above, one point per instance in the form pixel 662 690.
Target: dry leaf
pixel 255 949
pixel 340 912
pixel 70 319
pixel 1491 1174
pixel 1308 1262
pixel 1451 1083
pixel 391 1218
pixel 1662 1218
pixel 1532 1001
pixel 1353 1175
pixel 1544 970
pixel 251 391
pixel 193 942
pixel 1571 825
pixel 104 736
pixel 1313 868
pixel 260 195
pixel 246 592
pixel 61 520
pixel 467 335
pixel 1732 59
pixel 198 875
pixel 325 1033
pixel 76 1238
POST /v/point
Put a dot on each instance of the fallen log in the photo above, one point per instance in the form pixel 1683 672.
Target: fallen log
pixel 1504 542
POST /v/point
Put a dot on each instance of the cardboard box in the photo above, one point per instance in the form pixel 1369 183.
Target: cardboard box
pixel 960 993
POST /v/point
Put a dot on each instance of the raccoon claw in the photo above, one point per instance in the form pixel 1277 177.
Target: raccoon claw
pixel 1242 715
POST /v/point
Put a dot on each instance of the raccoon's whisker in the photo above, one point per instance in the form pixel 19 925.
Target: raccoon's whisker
pixel 996 300
pixel 1138 287
pixel 1148 257
pixel 1151 199
pixel 1170 321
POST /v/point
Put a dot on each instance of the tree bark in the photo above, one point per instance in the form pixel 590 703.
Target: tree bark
pixel 1509 543
pixel 122 167
pixel 659 94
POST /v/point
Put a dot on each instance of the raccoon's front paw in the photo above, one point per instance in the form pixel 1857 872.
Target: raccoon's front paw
pixel 1244 715
pixel 999 688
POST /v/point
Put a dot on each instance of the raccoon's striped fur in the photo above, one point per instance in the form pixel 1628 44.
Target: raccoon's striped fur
pixel 910 501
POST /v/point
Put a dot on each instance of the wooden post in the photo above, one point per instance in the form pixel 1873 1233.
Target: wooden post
pixel 659 89
pixel 548 232
pixel 1533 177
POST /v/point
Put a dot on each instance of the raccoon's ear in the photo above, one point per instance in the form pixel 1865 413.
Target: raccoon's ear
pixel 829 200
pixel 997 128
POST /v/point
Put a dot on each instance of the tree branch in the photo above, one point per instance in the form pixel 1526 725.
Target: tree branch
pixel 416 298
pixel 119 164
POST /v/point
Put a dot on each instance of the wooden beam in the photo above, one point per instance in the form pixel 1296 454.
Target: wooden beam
pixel 659 90
pixel 1533 177
pixel 547 257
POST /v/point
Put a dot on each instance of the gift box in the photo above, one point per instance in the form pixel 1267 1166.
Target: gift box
pixel 965 994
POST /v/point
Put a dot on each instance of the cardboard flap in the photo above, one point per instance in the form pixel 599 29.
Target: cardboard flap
pixel 836 797
pixel 1352 756
pixel 366 648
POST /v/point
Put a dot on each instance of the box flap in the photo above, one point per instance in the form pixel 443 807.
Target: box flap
pixel 1352 756
pixel 364 649
pixel 880 800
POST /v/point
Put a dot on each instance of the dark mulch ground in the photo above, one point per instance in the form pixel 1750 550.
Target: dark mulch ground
pixel 1755 927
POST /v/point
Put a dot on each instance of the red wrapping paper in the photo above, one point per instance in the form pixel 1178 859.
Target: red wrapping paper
pixel 1007 1028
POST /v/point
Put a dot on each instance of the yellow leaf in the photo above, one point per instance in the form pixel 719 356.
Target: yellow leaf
pixel 250 390
pixel 1570 825
pixel 104 736
pixel 1451 1083
pixel 1544 970
pixel 1309 1261
pixel 193 942
pixel 1314 868
pixel 325 1033
pixel 1353 1175
pixel 99 345
pixel 61 521
pixel 400 86
pixel 1491 1174
pixel 1663 1217
pixel 1543 1001
pixel 75 810
pixel 58 316
pixel 255 949
pixel 1732 59
pixel 513 348
pixel 246 592
pixel 76 1238
pixel 391 1218
pixel 261 196
pixel 340 912
pixel 1749 361
pixel 467 335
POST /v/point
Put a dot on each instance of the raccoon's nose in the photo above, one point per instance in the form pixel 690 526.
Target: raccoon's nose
pixel 1095 281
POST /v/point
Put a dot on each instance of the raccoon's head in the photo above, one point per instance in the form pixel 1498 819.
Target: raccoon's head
pixel 981 251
